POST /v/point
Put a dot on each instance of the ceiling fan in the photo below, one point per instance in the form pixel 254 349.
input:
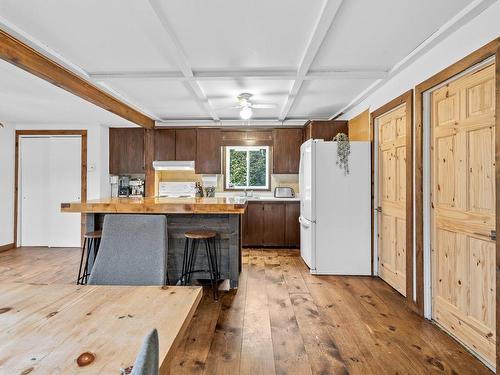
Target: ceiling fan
pixel 247 107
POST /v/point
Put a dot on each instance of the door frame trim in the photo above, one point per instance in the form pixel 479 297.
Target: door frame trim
pixel 406 99
pixel 427 180
pixel 476 57
pixel 83 179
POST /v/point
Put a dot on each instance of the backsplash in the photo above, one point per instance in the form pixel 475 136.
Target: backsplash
pixel 291 180
pixel 277 180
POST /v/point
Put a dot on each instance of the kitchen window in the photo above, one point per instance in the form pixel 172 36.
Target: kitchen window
pixel 247 167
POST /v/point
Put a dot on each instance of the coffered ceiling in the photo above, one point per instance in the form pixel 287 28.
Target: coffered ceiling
pixel 181 61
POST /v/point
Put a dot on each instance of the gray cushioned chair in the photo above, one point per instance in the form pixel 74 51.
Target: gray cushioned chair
pixel 133 251
pixel 146 362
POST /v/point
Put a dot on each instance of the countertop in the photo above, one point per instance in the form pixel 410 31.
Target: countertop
pixel 258 197
pixel 271 199
pixel 217 205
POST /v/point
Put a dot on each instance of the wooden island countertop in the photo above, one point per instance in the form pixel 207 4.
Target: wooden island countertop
pixel 160 205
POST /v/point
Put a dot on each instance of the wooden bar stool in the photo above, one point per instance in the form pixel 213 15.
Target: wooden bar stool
pixel 91 242
pixel 193 239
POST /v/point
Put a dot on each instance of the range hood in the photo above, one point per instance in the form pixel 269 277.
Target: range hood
pixel 159 165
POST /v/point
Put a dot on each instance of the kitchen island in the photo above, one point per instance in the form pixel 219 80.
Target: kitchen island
pixel 221 214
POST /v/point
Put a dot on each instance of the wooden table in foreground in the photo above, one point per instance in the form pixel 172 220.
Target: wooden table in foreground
pixel 45 328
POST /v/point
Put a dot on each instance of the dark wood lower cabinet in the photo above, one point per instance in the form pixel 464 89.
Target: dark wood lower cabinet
pixel 271 224
pixel 274 224
pixel 253 224
pixel 292 226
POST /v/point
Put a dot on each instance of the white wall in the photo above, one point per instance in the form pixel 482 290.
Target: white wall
pixel 97 168
pixel 471 36
pixel 7 149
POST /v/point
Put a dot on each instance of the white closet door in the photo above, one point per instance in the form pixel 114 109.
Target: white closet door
pixel 64 186
pixel 34 191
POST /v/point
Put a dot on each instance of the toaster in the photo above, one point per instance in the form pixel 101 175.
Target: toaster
pixel 284 192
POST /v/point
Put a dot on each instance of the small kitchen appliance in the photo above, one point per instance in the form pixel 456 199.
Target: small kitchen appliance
pixel 113 180
pixel 177 189
pixel 136 187
pixel 123 186
pixel 284 192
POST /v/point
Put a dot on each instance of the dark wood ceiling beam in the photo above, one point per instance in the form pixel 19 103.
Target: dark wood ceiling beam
pixel 23 56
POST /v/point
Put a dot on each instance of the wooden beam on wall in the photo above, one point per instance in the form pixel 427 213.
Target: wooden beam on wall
pixel 23 56
pixel 359 127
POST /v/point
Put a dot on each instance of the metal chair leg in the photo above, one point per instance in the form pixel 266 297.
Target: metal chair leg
pixel 192 260
pixel 210 267
pixel 80 276
pixel 86 270
pixel 182 278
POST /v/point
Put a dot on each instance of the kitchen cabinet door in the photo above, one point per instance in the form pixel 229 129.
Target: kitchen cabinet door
pixel 126 151
pixel 292 226
pixel 286 150
pixel 164 144
pixel 254 224
pixel 274 224
pixel 326 130
pixel 185 144
pixel 208 143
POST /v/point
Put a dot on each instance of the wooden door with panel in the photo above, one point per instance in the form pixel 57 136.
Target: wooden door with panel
pixel 463 210
pixel 392 198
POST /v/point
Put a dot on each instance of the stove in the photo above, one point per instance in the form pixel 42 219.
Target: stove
pixel 177 189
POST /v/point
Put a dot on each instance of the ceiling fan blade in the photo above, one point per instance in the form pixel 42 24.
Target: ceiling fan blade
pixel 270 105
pixel 229 107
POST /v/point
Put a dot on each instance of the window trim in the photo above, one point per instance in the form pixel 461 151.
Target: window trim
pixel 247 148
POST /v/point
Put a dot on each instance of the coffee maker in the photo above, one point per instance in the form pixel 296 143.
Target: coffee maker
pixel 123 186
pixel 136 187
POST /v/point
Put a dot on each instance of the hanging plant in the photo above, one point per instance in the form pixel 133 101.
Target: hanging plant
pixel 343 151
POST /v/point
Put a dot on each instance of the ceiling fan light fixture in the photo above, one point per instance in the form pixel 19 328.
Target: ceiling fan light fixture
pixel 246 112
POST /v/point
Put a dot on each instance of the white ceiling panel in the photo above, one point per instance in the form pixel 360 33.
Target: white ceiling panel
pixel 378 34
pixel 161 97
pixel 222 94
pixel 111 35
pixel 321 98
pixel 189 59
pixel 241 34
pixel 25 98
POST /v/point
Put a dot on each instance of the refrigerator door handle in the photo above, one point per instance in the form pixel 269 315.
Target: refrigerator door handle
pixel 304 222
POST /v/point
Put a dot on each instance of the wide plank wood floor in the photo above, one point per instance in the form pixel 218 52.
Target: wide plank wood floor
pixel 282 320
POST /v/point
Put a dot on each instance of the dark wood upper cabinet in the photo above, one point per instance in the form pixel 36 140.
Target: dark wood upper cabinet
pixel 286 150
pixel 274 224
pixel 164 144
pixel 292 226
pixel 326 130
pixel 185 144
pixel 126 151
pixel 208 144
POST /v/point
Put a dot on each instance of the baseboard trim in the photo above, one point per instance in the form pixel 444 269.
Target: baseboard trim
pixel 6 247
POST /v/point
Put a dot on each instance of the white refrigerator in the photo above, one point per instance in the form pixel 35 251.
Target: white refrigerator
pixel 335 209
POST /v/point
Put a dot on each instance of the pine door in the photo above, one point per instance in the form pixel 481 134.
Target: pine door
pixel 463 210
pixel 392 198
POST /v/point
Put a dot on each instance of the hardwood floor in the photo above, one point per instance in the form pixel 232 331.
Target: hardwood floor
pixel 282 320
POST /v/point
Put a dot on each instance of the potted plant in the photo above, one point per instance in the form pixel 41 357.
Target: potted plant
pixel 343 151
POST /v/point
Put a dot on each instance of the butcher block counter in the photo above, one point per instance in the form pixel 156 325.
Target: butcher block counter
pixel 220 214
pixel 160 205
